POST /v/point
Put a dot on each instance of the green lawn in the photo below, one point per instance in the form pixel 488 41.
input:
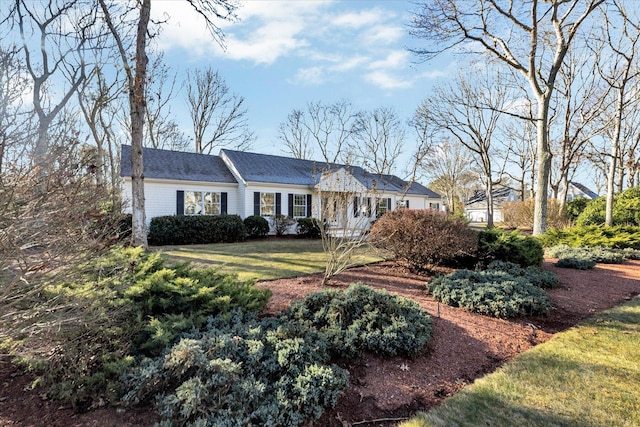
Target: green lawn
pixel 587 376
pixel 263 259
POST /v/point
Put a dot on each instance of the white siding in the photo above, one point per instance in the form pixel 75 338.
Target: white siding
pixel 160 195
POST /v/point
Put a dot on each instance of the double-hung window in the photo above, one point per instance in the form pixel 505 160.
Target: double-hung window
pixel 383 205
pixel 267 204
pixel 201 203
pixel 299 205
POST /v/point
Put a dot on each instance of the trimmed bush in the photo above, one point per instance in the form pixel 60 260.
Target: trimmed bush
pixel 361 319
pixel 491 293
pixel 514 246
pixel 424 238
pixel 240 371
pixel 308 228
pixel 196 229
pixel 532 274
pixel 256 226
pixel 576 206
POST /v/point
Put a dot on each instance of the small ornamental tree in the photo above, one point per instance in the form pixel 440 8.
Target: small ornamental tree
pixel 424 238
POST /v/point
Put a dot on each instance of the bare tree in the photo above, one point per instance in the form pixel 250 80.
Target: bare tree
pixel 328 128
pixel 378 141
pixel 15 123
pixel 295 136
pixel 136 80
pixel 449 168
pixel 162 129
pixel 219 117
pixel 619 70
pixel 576 106
pixel 62 30
pixel 468 110
pixel 532 38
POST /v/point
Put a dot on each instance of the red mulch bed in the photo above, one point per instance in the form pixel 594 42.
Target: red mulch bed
pixel 465 346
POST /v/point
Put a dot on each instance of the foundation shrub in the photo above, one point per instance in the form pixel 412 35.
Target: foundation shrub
pixel 196 229
pixel 491 293
pixel 308 228
pixel 514 246
pixel 424 238
pixel 282 224
pixel 239 371
pixel 256 226
pixel 532 274
pixel 361 319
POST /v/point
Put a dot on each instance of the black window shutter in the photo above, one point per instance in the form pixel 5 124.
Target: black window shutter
pixel 406 204
pixel 256 203
pixel 278 203
pixel 388 203
pixel 309 205
pixel 356 213
pixel 223 203
pixel 179 202
pixel 369 206
pixel 291 205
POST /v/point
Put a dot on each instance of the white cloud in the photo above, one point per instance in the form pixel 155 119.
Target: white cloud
pixel 311 76
pixel 395 59
pixel 360 19
pixel 383 35
pixel 347 64
pixel 386 80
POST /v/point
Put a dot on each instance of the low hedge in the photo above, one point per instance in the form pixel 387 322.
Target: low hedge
pixel 308 228
pixel 595 254
pixel 196 229
pixel 491 293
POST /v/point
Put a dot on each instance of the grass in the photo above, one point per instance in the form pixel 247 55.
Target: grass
pixel 263 259
pixel 587 376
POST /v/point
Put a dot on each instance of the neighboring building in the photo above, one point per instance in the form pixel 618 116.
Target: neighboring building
pixel 578 190
pixel 242 183
pixel 476 206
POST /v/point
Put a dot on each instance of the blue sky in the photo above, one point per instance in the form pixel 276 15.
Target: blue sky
pixel 283 54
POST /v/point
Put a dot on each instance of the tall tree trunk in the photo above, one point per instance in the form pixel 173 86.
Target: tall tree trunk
pixel 613 163
pixel 137 104
pixel 489 190
pixel 544 165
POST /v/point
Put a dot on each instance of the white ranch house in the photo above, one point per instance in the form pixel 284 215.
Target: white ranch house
pixel 243 183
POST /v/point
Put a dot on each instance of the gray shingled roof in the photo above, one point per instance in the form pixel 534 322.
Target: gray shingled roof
pixel 585 190
pixel 266 168
pixel 178 165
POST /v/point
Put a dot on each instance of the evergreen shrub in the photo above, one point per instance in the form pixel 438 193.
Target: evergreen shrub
pixel 134 306
pixel 577 262
pixel 196 229
pixel 619 236
pixel 514 246
pixel 239 371
pixel 596 254
pixel 308 228
pixel 491 293
pixel 361 319
pixel 256 226
pixel 532 274
pixel 626 209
